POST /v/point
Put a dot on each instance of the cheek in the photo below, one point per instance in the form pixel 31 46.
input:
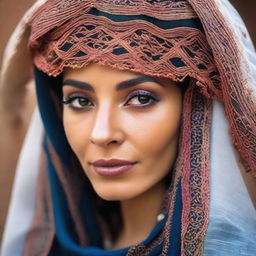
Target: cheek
pixel 156 134
pixel 77 131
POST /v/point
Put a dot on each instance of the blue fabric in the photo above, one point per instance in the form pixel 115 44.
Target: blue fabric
pixel 66 240
pixel 45 85
pixel 174 249
pixel 164 24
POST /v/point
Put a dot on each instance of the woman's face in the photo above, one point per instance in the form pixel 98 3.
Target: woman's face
pixel 112 116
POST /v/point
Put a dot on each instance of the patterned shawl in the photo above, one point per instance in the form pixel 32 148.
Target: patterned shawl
pixel 175 39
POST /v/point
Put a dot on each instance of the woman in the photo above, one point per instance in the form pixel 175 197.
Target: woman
pixel 117 66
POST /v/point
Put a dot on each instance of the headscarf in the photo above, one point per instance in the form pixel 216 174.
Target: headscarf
pixel 172 39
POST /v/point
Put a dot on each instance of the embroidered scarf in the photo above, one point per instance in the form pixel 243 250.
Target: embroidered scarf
pixel 158 38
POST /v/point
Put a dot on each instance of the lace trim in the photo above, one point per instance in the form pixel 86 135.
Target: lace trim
pixel 141 47
pixel 195 172
pixel 160 9
pixel 240 106
pixel 55 12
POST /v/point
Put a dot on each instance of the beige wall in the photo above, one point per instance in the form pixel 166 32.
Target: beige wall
pixel 11 12
pixel 247 9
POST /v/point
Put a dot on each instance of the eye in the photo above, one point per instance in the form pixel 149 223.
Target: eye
pixel 141 99
pixel 77 102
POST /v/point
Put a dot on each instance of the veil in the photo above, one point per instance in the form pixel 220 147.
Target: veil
pixel 231 208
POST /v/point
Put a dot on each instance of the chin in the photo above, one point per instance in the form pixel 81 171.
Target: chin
pixel 114 194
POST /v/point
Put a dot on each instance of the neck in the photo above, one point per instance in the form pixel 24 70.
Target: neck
pixel 140 216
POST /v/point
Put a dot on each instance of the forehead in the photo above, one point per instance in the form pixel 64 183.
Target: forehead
pixel 97 74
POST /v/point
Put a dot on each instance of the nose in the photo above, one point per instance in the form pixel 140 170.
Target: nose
pixel 106 129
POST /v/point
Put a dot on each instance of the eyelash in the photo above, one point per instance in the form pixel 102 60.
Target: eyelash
pixel 70 99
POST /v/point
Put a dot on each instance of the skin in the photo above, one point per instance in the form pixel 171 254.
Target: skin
pixel 116 124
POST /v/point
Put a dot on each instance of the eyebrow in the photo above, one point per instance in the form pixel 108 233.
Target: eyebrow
pixel 121 86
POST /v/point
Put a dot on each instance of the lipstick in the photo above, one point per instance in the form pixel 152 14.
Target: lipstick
pixel 112 167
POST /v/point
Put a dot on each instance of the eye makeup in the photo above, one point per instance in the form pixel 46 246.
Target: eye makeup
pixel 137 99
pixel 77 101
pixel 144 98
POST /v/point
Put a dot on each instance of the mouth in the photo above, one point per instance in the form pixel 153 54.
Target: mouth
pixel 112 167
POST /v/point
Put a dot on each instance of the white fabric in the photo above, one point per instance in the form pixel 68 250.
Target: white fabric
pixel 22 204
pixel 232 226
pixel 246 47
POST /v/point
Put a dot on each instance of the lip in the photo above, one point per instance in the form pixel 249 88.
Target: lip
pixel 112 167
pixel 111 162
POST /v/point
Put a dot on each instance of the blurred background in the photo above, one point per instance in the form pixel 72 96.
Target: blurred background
pixel 11 137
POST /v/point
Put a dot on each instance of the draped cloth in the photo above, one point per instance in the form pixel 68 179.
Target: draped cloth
pixel 172 39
